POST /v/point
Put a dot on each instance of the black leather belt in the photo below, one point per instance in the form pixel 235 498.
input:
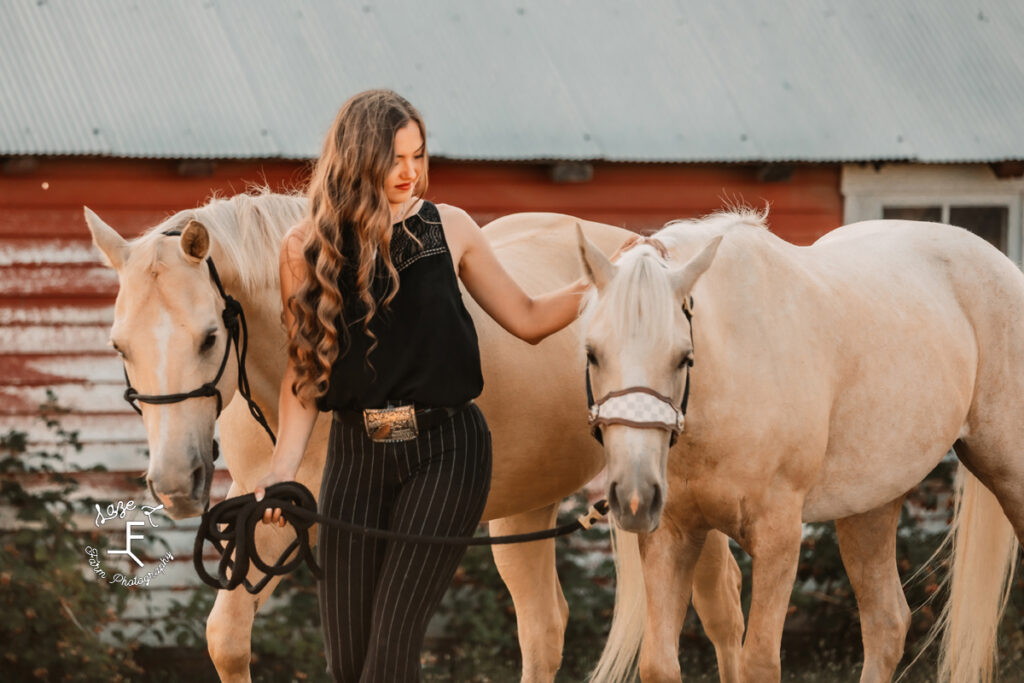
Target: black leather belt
pixel 425 417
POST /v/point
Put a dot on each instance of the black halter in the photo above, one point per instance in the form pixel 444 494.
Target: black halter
pixel 234 322
pixel 595 430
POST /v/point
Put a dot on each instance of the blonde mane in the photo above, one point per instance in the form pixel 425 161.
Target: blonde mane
pixel 713 224
pixel 245 230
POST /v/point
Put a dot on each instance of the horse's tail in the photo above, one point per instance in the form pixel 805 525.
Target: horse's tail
pixel 619 658
pixel 984 552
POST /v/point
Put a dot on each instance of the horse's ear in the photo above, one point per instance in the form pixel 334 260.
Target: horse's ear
pixel 113 247
pixel 596 266
pixel 195 241
pixel 683 279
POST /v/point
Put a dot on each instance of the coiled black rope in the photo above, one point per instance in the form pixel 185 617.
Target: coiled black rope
pixel 240 515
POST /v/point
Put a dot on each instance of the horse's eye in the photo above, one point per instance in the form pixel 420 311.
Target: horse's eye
pixel 591 357
pixel 208 343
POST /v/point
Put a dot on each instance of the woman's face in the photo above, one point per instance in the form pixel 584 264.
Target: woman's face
pixel 408 167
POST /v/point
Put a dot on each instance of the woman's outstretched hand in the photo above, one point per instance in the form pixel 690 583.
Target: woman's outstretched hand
pixel 270 515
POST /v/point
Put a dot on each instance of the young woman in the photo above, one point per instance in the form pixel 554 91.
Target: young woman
pixel 376 321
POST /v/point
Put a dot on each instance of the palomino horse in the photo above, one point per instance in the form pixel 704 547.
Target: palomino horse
pixel 827 381
pixel 168 328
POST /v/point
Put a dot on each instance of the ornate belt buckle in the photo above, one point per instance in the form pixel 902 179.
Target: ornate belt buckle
pixel 388 425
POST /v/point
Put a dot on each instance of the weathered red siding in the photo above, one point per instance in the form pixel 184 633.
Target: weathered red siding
pixel 645 196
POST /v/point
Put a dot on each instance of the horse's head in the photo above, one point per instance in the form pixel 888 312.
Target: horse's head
pixel 169 331
pixel 636 329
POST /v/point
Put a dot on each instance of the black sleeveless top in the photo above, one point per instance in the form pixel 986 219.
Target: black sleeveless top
pixel 427 350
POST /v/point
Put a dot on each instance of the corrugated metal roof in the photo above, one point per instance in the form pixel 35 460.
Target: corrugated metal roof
pixel 661 80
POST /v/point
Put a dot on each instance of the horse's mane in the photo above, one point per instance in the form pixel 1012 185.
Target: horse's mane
pixel 713 224
pixel 247 230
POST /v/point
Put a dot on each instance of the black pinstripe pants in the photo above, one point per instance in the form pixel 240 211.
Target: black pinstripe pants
pixel 377 596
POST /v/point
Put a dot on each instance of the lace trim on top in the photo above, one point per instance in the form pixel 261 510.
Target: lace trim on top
pixel 426 225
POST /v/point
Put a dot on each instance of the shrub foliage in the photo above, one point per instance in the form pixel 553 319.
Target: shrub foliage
pixel 53 611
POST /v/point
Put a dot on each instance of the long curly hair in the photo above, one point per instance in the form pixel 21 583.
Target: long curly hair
pixel 350 215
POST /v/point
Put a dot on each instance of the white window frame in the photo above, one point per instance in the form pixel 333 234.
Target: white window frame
pixel 866 190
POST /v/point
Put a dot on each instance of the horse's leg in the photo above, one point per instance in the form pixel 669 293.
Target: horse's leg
pixel 717 581
pixel 229 625
pixel 774 545
pixel 528 569
pixel 867 543
pixel 669 559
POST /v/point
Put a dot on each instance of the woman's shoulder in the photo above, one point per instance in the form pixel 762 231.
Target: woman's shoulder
pixel 293 245
pixel 454 214
pixel 457 222
pixel 460 230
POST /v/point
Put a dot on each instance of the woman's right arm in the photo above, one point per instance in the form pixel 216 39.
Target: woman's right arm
pixel 295 418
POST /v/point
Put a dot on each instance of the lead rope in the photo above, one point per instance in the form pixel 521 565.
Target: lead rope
pixel 239 516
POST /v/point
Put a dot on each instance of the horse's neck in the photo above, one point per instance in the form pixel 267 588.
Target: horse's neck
pixel 758 293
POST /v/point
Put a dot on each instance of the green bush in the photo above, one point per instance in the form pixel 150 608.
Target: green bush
pixel 52 610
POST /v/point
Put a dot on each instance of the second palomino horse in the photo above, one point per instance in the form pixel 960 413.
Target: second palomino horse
pixel 168 329
pixel 826 382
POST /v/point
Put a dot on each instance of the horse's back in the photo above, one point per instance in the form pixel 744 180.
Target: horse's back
pixel 895 242
pixel 914 263
pixel 546 225
pixel 541 248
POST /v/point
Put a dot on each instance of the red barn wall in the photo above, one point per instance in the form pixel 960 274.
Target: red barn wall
pixel 646 196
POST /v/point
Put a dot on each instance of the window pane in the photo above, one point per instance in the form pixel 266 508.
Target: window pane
pixel 988 222
pixel 913 213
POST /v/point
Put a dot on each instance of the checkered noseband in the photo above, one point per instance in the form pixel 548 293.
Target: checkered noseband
pixel 639 407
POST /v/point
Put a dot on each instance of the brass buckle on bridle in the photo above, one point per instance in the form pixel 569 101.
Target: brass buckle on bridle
pixel 390 425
